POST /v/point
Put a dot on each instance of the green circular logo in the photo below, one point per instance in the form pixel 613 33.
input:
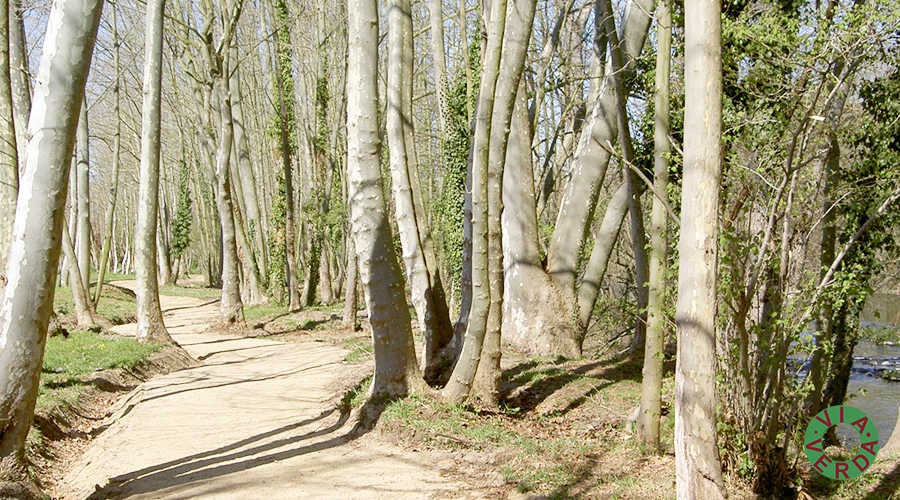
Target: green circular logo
pixel 815 451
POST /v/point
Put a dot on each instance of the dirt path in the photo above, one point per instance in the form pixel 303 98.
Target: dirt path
pixel 254 421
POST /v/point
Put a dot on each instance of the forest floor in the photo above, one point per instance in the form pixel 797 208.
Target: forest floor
pixel 269 413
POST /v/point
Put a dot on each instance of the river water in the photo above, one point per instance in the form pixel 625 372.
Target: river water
pixel 877 398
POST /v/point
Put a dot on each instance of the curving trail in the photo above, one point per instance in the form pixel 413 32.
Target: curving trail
pixel 255 420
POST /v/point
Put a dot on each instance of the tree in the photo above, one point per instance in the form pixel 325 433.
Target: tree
pixel 149 314
pixel 412 222
pixel 396 372
pixel 651 384
pixel 698 470
pixel 82 173
pixel 28 298
pixel 9 159
pixel 230 308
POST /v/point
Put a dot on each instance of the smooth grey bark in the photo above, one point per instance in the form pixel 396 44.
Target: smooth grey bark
pixel 150 324
pixel 109 223
pixel 231 310
pixel 532 302
pixel 698 469
pixel 20 76
pixel 28 298
pixel 579 198
pixel 459 386
pixel 516 37
pixel 651 383
pixel 9 155
pixel 542 329
pixel 396 371
pixel 254 223
pixel 412 223
pixel 436 25
pixel 82 172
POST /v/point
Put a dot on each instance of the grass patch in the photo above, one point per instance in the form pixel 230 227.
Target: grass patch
pixel 534 463
pixel 360 349
pixel 68 360
pixel 115 305
pixel 253 313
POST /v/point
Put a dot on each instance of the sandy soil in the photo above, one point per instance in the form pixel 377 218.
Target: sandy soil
pixel 256 420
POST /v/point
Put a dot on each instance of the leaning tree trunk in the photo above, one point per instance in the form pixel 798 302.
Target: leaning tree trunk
pixel 460 384
pixel 114 188
pixel 82 173
pixel 517 33
pixel 396 371
pixel 539 329
pixel 9 158
pixel 150 324
pixel 20 76
pixel 28 298
pixel 421 265
pixel 651 384
pixel 84 308
pixel 698 470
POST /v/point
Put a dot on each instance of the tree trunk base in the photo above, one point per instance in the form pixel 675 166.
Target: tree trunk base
pixel 538 316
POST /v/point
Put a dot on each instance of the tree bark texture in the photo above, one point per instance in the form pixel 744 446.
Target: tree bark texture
pixel 698 470
pixel 651 384
pixel 9 155
pixel 396 371
pixel 20 77
pixel 82 172
pixel 460 384
pixel 150 324
pixel 516 37
pixel 28 298
pixel 415 235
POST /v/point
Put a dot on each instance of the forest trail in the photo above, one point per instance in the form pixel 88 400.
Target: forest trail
pixel 255 419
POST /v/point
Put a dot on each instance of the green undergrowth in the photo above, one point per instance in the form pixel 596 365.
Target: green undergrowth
pixel 360 349
pixel 69 360
pixel 530 460
pixel 253 313
pixel 116 305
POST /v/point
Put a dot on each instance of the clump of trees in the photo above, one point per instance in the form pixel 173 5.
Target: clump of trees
pixel 476 161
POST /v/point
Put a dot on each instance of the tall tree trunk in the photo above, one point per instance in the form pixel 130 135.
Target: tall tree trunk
pixel 117 148
pixel 20 76
pixel 82 172
pixel 698 470
pixel 651 385
pixel 231 307
pixel 244 170
pixel 396 371
pixel 282 75
pixel 149 314
pixel 9 155
pixel 436 25
pixel 540 329
pixel 460 384
pixel 516 37
pixel 28 298
pixel 415 235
